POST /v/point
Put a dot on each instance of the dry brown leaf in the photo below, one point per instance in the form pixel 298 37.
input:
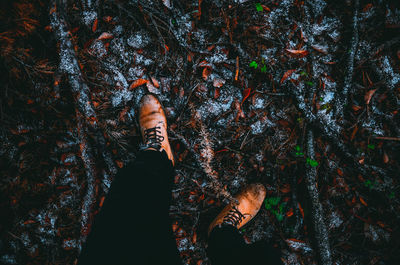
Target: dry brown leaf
pixel 287 74
pixel 299 53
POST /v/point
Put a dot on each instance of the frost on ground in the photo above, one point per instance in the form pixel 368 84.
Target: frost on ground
pixel 241 84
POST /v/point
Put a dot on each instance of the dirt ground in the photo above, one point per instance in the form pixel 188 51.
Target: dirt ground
pixel 302 96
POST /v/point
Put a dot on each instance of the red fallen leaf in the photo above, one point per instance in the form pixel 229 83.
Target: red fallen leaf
pixel 29 101
pixel 107 19
pixel 385 158
pixel 120 164
pixel 285 188
pixel 356 108
pixel 105 36
pixel 29 222
pixel 246 94
pixel 94 26
pixel 300 53
pixel 287 74
pixel 301 210
pixel 216 93
pixel 137 82
pixel 369 95
pixel 290 212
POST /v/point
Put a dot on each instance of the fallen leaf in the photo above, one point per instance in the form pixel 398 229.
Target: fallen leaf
pixel 206 73
pixel 299 53
pixel 369 95
pixel 94 27
pixel 287 74
pixel 218 82
pixel 155 82
pixel 137 83
pixel 246 94
pixel 363 202
pixel 105 36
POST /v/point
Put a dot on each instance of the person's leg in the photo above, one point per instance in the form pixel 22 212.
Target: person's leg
pixel 133 227
pixel 226 246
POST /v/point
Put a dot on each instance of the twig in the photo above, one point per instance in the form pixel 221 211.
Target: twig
pixel 386 138
pixel 321 232
pixel 342 98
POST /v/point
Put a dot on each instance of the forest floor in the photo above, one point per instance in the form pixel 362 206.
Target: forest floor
pixel 302 96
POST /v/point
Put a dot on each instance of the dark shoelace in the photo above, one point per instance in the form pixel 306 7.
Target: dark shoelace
pixel 234 217
pixel 153 138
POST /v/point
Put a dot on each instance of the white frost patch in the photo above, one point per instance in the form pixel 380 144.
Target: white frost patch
pixel 334 220
pixel 259 126
pixel 327 97
pixel 317 6
pixel 120 96
pixel 97 49
pixel 138 40
pixel 135 72
pixel 218 56
pixel 299 246
pixel 392 78
pixel 259 103
pixel 89 17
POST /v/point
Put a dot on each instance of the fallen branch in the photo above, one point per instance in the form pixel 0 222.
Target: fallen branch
pixel 215 185
pixel 348 80
pixel 321 232
pixel 69 66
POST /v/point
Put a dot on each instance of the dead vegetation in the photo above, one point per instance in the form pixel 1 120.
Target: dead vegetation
pixel 302 96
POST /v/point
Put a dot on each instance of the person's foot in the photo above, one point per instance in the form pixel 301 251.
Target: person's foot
pixel 250 200
pixel 153 126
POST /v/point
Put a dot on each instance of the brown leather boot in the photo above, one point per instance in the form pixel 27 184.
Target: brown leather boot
pixel 153 125
pixel 250 200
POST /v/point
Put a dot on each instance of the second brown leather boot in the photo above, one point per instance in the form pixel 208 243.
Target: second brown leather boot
pixel 153 126
pixel 250 200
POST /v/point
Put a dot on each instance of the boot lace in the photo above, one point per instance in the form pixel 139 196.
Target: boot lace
pixel 234 217
pixel 153 138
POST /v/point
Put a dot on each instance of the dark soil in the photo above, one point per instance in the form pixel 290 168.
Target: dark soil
pixel 255 91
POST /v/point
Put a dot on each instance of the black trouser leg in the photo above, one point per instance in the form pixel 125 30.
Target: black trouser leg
pixel 133 226
pixel 226 246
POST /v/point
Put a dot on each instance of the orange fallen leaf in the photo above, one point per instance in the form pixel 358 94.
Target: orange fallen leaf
pixel 105 36
pixel 102 201
pixel 94 27
pixel 285 188
pixel 206 73
pixel 369 95
pixel 287 74
pixel 300 53
pixel 295 240
pixel 137 82
pixel 363 202
pixel 301 210
pixel 155 82
pixel 290 212
pixel 120 164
